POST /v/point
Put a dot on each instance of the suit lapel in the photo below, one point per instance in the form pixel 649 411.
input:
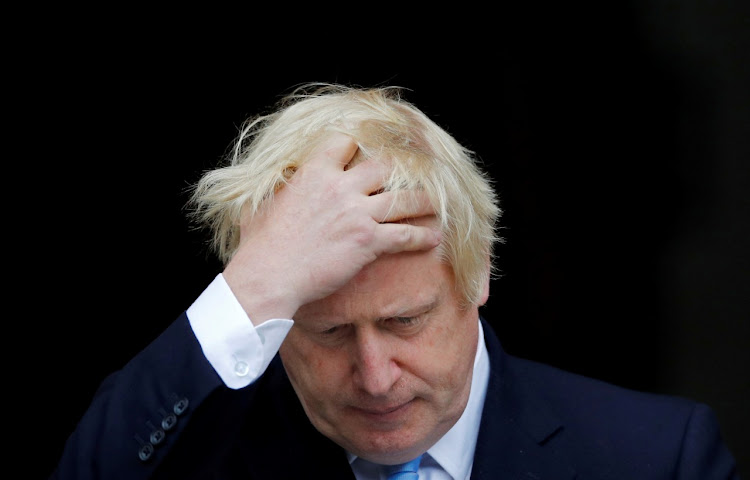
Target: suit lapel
pixel 516 434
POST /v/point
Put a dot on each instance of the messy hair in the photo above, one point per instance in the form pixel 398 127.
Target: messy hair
pixel 270 148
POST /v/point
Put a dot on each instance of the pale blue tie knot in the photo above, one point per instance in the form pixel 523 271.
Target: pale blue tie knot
pixel 404 471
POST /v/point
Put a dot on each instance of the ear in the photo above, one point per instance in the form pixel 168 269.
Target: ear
pixel 486 291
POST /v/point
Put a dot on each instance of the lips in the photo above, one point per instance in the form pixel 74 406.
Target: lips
pixel 384 413
pixel 381 411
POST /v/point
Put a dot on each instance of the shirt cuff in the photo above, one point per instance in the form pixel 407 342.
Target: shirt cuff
pixel 239 351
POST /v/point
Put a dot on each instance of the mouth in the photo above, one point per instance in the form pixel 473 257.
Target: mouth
pixel 386 414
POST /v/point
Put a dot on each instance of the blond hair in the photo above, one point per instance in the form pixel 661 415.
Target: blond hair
pixel 422 155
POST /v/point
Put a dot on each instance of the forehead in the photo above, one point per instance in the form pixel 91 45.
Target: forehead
pixel 406 270
pixel 388 286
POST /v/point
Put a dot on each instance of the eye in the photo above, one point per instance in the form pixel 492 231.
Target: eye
pixel 335 331
pixel 405 320
pixel 405 324
pixel 331 331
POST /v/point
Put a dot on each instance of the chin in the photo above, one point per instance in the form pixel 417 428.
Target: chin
pixel 388 448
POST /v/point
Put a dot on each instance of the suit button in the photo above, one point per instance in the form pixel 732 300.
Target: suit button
pixel 157 436
pixel 180 407
pixel 145 452
pixel 168 422
pixel 242 369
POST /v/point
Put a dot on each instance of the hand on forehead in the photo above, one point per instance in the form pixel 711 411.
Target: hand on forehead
pixel 323 227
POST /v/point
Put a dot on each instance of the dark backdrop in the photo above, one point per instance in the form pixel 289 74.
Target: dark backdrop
pixel 617 138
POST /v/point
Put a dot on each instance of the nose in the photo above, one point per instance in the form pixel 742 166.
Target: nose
pixel 375 367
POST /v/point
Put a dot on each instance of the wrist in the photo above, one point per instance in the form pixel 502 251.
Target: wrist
pixel 260 298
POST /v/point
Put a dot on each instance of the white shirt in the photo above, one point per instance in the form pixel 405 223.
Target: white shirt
pixel 241 352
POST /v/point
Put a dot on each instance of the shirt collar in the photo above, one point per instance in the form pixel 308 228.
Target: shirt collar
pixel 457 462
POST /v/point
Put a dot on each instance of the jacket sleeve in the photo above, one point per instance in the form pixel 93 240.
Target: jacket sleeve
pixel 138 412
pixel 704 455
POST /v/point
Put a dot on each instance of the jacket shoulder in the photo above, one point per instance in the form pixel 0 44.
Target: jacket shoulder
pixel 607 428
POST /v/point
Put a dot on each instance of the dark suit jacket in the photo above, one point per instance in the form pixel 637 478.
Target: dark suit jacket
pixel 538 423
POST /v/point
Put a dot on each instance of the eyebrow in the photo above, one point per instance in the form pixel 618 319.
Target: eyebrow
pixel 413 311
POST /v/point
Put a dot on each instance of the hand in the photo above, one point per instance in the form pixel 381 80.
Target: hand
pixel 320 230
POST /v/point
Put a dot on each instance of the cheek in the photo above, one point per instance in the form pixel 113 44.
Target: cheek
pixel 452 348
pixel 315 374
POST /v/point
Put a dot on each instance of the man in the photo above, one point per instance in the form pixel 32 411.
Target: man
pixel 357 238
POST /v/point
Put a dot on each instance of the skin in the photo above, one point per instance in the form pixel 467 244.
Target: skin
pixel 383 366
pixel 380 353
pixel 333 211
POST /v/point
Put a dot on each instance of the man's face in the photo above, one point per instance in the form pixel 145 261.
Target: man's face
pixel 383 366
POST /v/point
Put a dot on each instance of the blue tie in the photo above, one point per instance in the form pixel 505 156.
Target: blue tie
pixel 405 471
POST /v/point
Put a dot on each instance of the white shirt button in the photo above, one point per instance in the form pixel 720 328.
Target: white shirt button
pixel 241 369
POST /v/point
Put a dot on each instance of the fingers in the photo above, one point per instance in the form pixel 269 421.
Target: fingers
pixel 364 175
pixel 367 176
pixel 390 209
pixel 394 234
pixel 394 206
pixel 402 237
pixel 338 149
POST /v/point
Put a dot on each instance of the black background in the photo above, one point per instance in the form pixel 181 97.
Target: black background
pixel 618 138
